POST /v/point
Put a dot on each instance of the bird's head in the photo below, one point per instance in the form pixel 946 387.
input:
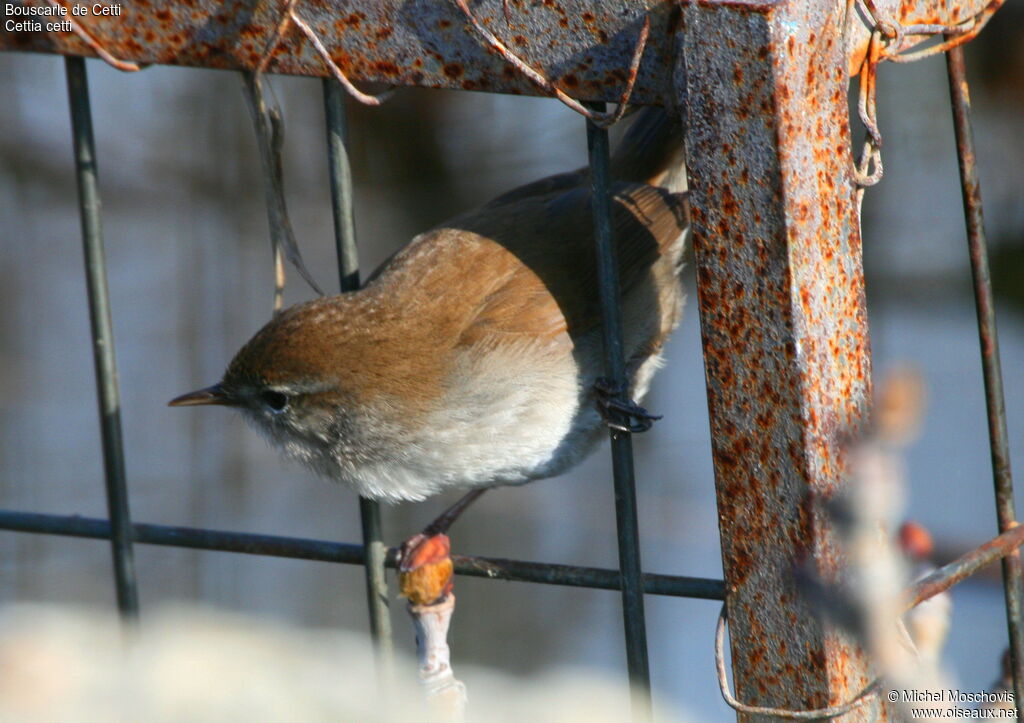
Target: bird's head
pixel 287 379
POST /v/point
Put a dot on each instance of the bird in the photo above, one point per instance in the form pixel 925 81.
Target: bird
pixel 929 621
pixel 473 356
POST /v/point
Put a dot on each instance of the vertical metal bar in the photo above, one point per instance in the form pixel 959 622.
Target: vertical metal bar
pixel 348 270
pixel 102 337
pixel 780 287
pixel 991 367
pixel 622 443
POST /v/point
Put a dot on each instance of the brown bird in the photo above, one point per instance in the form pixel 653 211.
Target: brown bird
pixel 470 357
pixel 928 622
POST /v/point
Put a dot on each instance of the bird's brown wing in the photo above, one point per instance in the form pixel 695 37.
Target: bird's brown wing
pixel 544 284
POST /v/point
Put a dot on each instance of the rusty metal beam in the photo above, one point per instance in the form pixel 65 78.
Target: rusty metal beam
pixel 781 295
pixel 584 46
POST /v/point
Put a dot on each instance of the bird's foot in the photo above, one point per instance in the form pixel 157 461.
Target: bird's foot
pixel 425 568
pixel 424 561
pixel 637 419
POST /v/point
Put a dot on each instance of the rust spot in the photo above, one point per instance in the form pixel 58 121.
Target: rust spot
pixel 453 70
pixel 729 205
pixel 520 40
pixel 386 68
pixel 817 657
pixel 571 80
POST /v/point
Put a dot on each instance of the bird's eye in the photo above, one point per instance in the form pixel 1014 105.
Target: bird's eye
pixel 276 401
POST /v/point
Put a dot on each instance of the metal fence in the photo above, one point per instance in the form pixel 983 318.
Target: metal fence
pixel 777 238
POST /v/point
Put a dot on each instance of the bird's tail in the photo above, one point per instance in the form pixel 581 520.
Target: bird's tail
pixel 651 151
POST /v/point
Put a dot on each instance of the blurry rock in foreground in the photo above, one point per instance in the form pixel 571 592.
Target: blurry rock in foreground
pixel 200 665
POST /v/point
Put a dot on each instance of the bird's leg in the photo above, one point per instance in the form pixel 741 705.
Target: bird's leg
pixel 424 561
pixel 425 573
pixel 638 418
pixel 448 517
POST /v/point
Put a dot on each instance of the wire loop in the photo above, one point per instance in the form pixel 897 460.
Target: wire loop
pixel 835 711
pixel 601 120
pixel 288 17
pixel 889 41
pixel 108 57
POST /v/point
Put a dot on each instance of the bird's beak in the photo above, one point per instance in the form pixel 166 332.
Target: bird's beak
pixel 209 395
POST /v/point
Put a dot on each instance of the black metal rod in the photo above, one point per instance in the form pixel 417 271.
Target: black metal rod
pixel 348 273
pixel 341 185
pixel 622 443
pixel 346 553
pixel 102 337
pixel 991 368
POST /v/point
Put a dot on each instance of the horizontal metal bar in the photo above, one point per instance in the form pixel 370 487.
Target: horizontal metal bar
pixel 323 551
pixel 584 46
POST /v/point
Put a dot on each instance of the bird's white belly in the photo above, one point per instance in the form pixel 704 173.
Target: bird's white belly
pixel 505 423
pixel 510 424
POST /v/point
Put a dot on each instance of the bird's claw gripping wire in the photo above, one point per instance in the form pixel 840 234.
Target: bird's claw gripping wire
pixel 638 419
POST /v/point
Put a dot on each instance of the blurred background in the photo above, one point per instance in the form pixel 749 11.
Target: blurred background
pixel 191 279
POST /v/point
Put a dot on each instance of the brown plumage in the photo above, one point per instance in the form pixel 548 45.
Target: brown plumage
pixel 469 357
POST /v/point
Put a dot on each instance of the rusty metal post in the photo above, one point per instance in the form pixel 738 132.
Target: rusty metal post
pixel 781 295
